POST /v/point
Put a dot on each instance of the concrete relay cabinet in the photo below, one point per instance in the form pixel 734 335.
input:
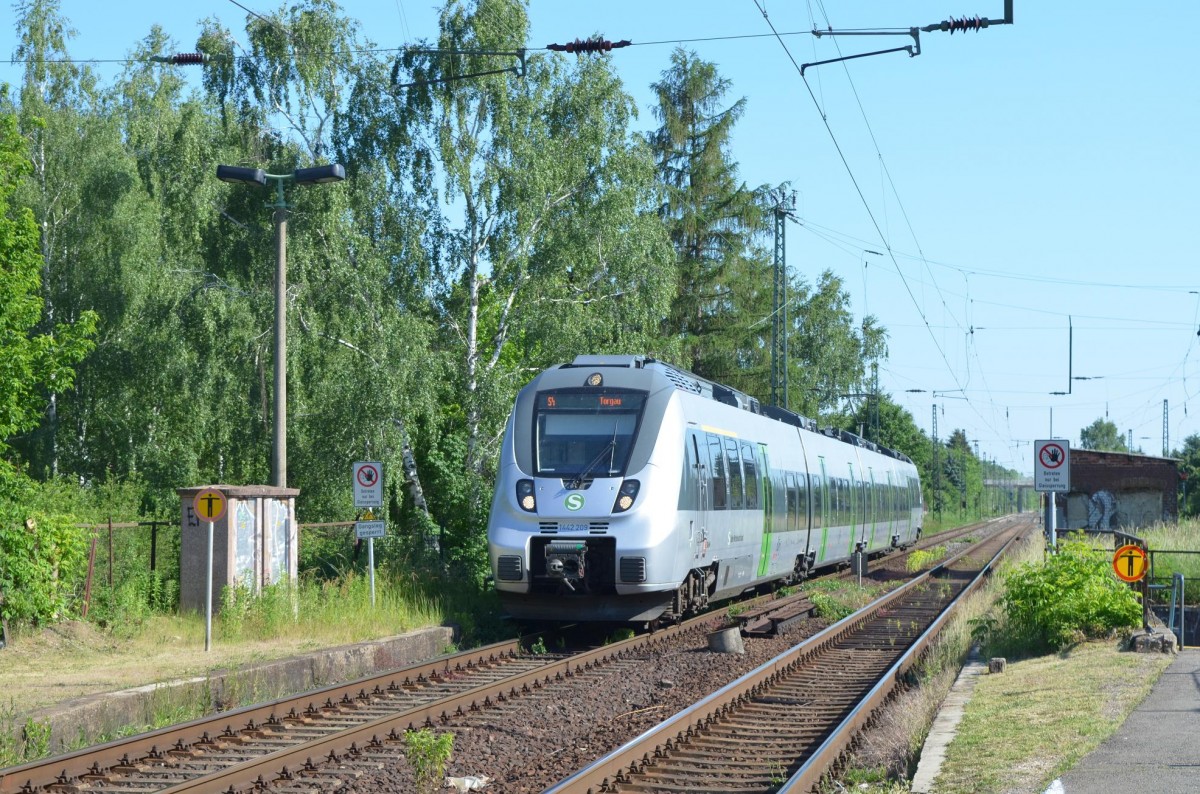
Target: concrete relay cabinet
pixel 254 544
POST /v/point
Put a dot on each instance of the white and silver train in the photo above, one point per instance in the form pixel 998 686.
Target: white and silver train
pixel 632 491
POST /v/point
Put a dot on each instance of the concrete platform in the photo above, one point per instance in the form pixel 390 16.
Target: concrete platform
pixel 1157 748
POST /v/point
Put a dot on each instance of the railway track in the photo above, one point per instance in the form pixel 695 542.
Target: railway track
pixel 781 727
pixel 323 739
pixel 771 616
pixel 173 756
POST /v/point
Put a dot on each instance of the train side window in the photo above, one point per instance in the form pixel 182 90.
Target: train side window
pixel 750 473
pixel 791 502
pixel 716 467
pixel 735 475
pixel 817 485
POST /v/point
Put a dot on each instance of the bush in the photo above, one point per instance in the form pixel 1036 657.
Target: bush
pixel 1069 597
pixel 42 560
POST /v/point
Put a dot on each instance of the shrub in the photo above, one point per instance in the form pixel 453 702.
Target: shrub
pixel 1072 595
pixel 43 558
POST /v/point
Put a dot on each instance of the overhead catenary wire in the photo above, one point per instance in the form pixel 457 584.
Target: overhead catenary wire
pixel 870 213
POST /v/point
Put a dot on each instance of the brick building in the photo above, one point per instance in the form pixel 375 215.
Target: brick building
pixel 1117 490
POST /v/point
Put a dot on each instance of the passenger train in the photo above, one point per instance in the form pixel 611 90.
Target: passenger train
pixel 632 491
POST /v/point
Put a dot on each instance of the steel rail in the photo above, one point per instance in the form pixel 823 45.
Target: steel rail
pixel 811 770
pixel 125 751
pixel 607 773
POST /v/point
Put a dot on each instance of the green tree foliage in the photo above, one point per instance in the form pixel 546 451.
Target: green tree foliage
pixel 30 362
pixel 41 555
pixel 889 424
pixel 1189 473
pixel 1102 435
pixel 1071 596
pixel 829 350
pixel 723 277
pixel 544 247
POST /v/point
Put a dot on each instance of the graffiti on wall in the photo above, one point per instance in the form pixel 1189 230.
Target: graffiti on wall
pixel 1102 506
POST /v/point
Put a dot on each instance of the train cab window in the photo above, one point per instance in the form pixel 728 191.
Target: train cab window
pixel 716 467
pixel 585 433
pixel 750 475
pixel 735 475
pixel 689 490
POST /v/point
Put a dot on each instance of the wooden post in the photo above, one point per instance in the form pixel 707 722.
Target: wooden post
pixel 153 545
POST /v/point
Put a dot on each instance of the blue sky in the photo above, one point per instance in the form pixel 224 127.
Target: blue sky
pixel 1019 180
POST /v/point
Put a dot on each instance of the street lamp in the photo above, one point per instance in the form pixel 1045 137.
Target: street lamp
pixel 301 176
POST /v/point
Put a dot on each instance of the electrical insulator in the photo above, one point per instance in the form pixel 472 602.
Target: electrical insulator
pixel 964 24
pixel 182 59
pixel 581 46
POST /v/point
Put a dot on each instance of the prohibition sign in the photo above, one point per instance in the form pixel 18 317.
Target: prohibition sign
pixel 209 505
pixel 1052 456
pixel 367 476
pixel 1129 563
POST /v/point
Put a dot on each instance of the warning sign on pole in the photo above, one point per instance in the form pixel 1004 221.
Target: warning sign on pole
pixel 367 479
pixel 1052 465
pixel 1129 563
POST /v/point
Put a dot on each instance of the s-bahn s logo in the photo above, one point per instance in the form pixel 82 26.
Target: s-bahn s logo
pixel 573 502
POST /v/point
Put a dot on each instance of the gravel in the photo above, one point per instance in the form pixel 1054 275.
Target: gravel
pixel 535 740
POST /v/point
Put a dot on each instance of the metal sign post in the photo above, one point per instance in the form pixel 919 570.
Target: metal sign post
pixel 370 530
pixel 209 506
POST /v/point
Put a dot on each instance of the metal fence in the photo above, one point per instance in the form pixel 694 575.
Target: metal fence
pixel 125 551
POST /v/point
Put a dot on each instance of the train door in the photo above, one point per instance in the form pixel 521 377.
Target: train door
pixel 701 504
pixel 855 519
pixel 892 507
pixel 822 494
pixel 874 515
pixel 767 489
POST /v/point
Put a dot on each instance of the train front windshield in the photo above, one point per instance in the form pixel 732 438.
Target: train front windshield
pixel 586 434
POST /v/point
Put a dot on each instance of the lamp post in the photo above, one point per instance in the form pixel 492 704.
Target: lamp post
pixel 301 176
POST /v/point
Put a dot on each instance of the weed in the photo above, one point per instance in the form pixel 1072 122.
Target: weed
pixel 620 635
pixel 924 558
pixel 427 754
pixel 539 647
pixel 37 739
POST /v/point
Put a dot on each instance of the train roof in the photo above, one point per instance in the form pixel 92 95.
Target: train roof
pixel 690 382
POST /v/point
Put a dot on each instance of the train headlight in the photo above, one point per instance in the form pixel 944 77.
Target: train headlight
pixel 626 496
pixel 525 497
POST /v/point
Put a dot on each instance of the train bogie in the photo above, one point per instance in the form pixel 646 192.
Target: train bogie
pixel 631 491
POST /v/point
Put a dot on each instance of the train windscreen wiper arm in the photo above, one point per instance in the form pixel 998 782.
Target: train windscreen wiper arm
pixel 611 446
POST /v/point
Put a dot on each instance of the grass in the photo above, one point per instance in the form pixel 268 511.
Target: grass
pixel 1030 724
pixel 835 600
pixel 1181 537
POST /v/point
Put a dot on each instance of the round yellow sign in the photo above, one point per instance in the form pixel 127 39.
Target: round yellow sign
pixel 209 505
pixel 1129 563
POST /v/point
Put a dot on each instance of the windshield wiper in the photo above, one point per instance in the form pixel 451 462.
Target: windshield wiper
pixel 610 447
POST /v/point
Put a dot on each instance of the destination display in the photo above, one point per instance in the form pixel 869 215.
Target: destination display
pixel 591 401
